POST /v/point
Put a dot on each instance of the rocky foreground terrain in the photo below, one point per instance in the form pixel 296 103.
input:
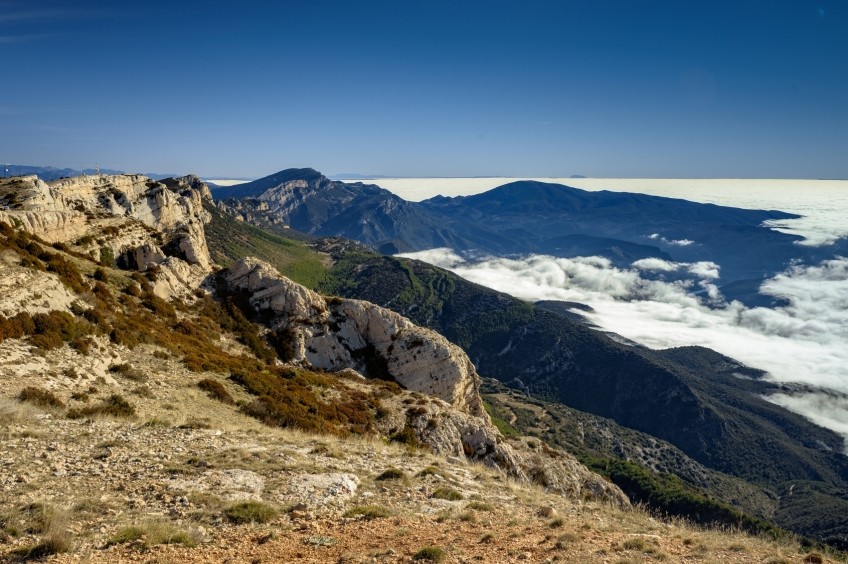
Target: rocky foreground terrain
pixel 155 408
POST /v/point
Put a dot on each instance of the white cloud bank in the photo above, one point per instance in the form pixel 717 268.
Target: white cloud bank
pixel 805 341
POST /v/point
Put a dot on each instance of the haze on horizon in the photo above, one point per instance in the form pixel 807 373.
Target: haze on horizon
pixel 655 89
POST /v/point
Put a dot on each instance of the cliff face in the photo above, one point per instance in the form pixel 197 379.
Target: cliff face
pixel 136 222
pixel 333 333
pixel 69 209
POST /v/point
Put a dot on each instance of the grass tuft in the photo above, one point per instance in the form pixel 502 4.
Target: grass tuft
pixel 367 512
pixel 447 493
pixel 250 512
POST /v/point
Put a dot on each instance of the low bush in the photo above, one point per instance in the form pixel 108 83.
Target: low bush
pixel 216 390
pixel 151 534
pixel 391 474
pixel 368 512
pixel 56 543
pixel 40 396
pixel 430 554
pixel 250 512
pixel 444 492
pixel 114 406
pixel 288 397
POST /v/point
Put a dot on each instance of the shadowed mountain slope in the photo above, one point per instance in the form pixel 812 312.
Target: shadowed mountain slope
pixel 528 217
pixel 707 405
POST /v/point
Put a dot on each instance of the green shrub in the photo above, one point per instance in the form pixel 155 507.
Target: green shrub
pixel 480 506
pixel 250 512
pixel 444 492
pixel 53 544
pixel 430 554
pixel 391 474
pixel 107 257
pixel 288 397
pixel 67 272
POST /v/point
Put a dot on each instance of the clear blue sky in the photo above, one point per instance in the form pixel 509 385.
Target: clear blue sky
pixel 630 88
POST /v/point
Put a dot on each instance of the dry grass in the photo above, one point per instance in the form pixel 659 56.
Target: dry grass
pixel 152 533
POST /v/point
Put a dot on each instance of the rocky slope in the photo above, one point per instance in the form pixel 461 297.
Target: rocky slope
pixel 691 397
pixel 763 453
pixel 358 337
pixel 106 366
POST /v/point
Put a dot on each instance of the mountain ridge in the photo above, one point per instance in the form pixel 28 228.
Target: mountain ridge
pixel 530 217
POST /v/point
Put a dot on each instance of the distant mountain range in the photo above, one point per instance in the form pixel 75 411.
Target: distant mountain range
pixel 47 173
pixel 529 217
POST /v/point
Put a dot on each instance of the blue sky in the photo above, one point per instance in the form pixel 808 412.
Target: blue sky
pixel 631 88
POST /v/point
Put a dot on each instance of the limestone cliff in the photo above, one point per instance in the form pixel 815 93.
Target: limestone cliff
pixel 344 335
pixel 333 333
pixel 132 220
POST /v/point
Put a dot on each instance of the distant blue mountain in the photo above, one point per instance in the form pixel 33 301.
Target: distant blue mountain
pixel 47 173
pixel 528 217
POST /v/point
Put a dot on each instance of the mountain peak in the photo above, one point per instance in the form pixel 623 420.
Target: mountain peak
pixel 257 187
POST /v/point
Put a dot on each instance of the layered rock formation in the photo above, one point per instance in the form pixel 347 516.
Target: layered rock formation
pixel 333 334
pixel 128 218
pixel 344 335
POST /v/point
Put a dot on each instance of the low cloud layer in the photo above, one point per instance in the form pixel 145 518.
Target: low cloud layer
pixel 804 341
pixel 677 242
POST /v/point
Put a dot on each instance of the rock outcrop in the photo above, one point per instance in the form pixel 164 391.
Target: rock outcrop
pixel 332 334
pixel 137 222
pixel 354 336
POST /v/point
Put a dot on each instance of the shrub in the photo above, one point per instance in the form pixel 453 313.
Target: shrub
pixel 56 543
pixel 114 405
pixel 480 506
pixel 16 327
pixel 430 554
pixel 51 330
pixel 444 492
pixel 367 512
pixel 250 512
pixel 391 474
pixel 634 544
pixel 406 436
pixel 216 390
pixel 67 272
pixel 129 372
pixel 39 396
pixel 107 257
pixel 291 398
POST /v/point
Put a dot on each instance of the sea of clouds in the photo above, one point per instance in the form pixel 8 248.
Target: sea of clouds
pixel 805 341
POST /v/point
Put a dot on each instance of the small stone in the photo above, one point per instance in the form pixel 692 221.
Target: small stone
pixel 547 512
